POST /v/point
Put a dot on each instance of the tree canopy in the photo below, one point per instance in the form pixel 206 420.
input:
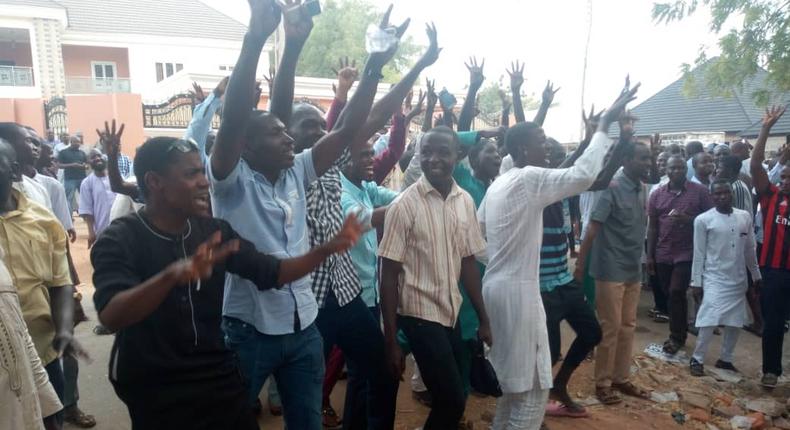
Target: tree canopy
pixel 344 23
pixel 762 41
pixel 490 103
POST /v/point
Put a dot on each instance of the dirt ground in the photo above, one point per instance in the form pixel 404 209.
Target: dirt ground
pixel 99 399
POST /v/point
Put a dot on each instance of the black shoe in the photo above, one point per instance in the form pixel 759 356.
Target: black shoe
pixel 423 397
pixel 101 330
pixel 696 368
pixel 726 366
pixel 693 330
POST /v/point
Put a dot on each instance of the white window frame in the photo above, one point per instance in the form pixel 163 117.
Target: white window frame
pixel 103 82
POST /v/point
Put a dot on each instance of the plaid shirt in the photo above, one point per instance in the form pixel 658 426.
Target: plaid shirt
pixel 325 219
pixel 124 165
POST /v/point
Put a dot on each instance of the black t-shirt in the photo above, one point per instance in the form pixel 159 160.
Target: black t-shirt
pixel 69 156
pixel 182 339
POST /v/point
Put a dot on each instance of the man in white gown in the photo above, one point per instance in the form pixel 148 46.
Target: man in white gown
pixel 724 248
pixel 511 217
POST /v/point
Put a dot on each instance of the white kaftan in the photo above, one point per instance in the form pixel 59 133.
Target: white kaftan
pixel 723 249
pixel 511 218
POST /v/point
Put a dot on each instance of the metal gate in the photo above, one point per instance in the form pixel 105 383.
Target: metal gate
pixel 56 115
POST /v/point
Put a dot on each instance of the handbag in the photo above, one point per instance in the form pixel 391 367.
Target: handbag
pixel 482 375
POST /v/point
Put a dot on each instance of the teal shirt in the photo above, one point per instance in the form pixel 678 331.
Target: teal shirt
pixel 363 254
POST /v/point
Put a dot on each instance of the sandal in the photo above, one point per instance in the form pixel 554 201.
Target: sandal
pixel 570 410
pixel 629 389
pixel 671 347
pixel 330 419
pixel 80 419
pixel 607 396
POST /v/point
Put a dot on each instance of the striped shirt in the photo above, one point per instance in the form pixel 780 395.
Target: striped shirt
pixel 674 244
pixel 430 235
pixel 775 252
pixel 741 196
pixel 554 248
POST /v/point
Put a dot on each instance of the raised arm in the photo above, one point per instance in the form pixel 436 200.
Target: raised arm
pixel 759 176
pixel 504 119
pixel 545 103
pixel 200 124
pixel 590 125
pixel 110 140
pixel 332 145
pixel 240 97
pixel 383 109
pixel 618 153
pixel 347 74
pixel 516 80
pixel 476 79
pixel 430 106
pixel 297 29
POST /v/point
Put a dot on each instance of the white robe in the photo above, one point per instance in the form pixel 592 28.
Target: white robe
pixel 511 218
pixel 723 249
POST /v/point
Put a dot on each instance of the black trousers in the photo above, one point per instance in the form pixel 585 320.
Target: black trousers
pixel 660 299
pixel 567 302
pixel 675 279
pixel 55 373
pixel 775 300
pixel 218 403
pixel 437 350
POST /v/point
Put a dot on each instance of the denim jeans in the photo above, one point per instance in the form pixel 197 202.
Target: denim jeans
pixel 71 186
pixel 354 329
pixel 296 360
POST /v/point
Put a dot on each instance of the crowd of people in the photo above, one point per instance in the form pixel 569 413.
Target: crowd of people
pixel 280 249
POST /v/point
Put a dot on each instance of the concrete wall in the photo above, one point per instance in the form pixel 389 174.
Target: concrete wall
pixel 23 111
pixel 77 60
pixel 86 113
pixel 18 53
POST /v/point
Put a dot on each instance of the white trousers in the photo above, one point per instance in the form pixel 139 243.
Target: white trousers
pixel 521 411
pixel 727 344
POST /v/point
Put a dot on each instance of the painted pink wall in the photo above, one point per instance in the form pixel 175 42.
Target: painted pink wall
pixel 28 112
pixel 88 112
pixel 77 59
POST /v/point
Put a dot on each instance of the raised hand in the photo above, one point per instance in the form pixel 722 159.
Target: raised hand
pixel 476 76
pixel 258 92
pixel 110 139
pixel 407 101
pixel 197 92
pixel 548 93
pixel 506 103
pixel 348 235
pixel 516 73
pixel 655 144
pixel 431 95
pixel 298 23
pixel 377 60
pixel 617 108
pixel 627 121
pixel 201 264
pixel 432 54
pixel 347 74
pixel 417 109
pixel 265 16
pixel 219 90
pixel 269 80
pixel 772 115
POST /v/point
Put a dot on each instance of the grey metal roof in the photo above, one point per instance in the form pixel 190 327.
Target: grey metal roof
pixel 38 3
pixel 670 111
pixel 174 18
pixel 781 128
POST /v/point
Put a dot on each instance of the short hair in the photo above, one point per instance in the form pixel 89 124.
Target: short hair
pixel 7 150
pixel 477 148
pixel 155 155
pixel 630 150
pixel 731 163
pixel 9 131
pixel 694 147
pixel 447 131
pixel 696 157
pixel 516 135
pixel 677 156
pixel 720 181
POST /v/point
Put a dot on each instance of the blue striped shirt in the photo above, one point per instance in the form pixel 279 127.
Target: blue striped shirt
pixel 554 248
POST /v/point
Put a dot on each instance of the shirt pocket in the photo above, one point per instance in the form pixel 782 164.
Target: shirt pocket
pixel 38 251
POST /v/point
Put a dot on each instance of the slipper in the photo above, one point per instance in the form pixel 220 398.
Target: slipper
pixel 629 389
pixel 607 396
pixel 557 409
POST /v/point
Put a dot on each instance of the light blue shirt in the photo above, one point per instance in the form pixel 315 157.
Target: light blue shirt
pixel 200 124
pixel 363 254
pixel 690 172
pixel 274 218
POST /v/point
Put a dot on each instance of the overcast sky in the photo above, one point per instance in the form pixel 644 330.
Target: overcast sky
pixel 550 36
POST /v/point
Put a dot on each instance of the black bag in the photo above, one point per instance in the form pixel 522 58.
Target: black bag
pixel 482 375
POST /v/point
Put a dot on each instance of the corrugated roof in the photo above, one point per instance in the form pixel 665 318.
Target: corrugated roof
pixel 782 127
pixel 174 18
pixel 670 111
pixel 37 3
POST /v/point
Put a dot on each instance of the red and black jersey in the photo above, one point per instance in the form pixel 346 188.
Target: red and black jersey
pixel 775 252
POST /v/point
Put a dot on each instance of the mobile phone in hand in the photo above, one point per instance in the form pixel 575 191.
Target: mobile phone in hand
pixel 312 7
pixel 446 98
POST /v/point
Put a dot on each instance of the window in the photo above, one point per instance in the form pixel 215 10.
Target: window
pixel 166 70
pixel 225 68
pixel 103 74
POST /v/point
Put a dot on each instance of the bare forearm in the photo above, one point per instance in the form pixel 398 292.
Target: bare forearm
pixel 468 109
pixel 568 162
pixel 62 305
pixel 135 304
pixel 117 184
pixel 505 119
pixel 470 276
pixel 389 298
pixel 541 115
pixel 611 167
pixel 518 107
pixel 589 237
pixel 759 176
pixel 427 121
pixel 293 269
pixel 89 220
pixel 383 109
pixel 283 92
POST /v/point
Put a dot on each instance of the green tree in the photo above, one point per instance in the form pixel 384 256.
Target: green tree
pixel 490 103
pixel 340 31
pixel 762 41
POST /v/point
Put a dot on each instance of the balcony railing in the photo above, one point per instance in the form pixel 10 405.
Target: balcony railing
pixel 86 85
pixel 14 76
